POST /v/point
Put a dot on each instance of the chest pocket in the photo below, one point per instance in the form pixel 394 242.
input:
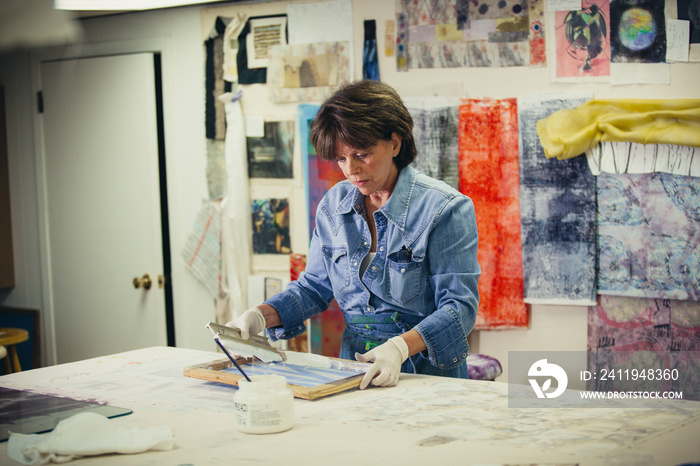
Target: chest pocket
pixel 338 266
pixel 404 277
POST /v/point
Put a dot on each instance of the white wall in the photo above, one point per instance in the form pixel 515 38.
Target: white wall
pixel 183 76
pixel 551 327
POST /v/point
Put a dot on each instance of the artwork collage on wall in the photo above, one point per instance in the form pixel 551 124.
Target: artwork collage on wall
pixel 550 231
pixel 461 33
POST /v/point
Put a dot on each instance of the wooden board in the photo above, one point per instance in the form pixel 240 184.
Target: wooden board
pixel 345 375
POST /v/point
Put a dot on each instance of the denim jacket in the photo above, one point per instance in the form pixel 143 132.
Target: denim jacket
pixel 424 276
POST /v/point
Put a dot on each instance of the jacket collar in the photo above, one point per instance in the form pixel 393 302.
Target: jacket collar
pixel 396 208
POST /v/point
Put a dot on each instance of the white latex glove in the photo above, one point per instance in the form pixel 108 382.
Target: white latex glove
pixel 387 359
pixel 251 321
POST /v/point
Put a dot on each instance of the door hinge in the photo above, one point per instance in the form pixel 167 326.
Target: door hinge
pixel 40 101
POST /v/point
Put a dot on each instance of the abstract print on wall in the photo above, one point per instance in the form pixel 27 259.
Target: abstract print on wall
pixel 488 169
pixel 649 236
pixel 646 333
pixel 637 31
pixel 557 204
pixel 270 156
pixel 583 40
pixel 326 330
pixel 461 33
pixel 307 72
pixel 435 126
pixel 319 175
pixel 270 219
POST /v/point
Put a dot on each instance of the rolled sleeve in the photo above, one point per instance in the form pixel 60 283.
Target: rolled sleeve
pixel 454 276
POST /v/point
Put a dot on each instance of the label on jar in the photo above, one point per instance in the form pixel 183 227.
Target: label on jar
pixel 257 414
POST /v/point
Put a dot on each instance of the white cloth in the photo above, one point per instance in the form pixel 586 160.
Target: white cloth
pixel 235 226
pixel 86 434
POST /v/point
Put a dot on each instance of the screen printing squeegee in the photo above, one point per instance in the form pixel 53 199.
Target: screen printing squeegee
pixel 255 346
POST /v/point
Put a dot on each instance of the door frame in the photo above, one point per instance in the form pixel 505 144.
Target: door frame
pixel 158 45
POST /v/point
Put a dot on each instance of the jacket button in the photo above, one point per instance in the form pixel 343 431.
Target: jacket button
pixel 442 365
pixel 403 270
pixel 464 355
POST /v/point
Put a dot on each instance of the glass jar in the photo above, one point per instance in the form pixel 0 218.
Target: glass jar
pixel 264 405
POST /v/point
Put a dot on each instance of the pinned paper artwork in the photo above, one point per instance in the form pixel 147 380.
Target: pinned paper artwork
pixel 538 54
pixel 270 219
pixel 647 330
pixel 389 38
pixel 557 204
pixel 689 11
pixel 370 63
pixel 319 175
pixel 459 33
pixel 634 157
pixel 264 33
pixel 326 329
pixel 297 264
pixel 583 40
pixel 270 156
pixel 435 128
pixel 247 48
pixel 307 72
pixel 637 31
pixel 649 236
pixel 488 174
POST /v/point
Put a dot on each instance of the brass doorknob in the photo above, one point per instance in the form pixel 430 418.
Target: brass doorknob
pixel 144 282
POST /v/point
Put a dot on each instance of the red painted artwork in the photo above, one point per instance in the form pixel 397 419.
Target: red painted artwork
pixel 326 329
pixel 489 175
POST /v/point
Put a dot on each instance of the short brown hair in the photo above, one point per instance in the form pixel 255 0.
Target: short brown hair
pixel 359 115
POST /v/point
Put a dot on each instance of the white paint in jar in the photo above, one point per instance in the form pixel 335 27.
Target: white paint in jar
pixel 265 405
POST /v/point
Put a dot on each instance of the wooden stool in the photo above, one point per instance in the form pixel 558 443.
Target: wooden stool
pixel 9 337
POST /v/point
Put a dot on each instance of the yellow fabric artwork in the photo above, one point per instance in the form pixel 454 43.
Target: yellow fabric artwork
pixel 570 132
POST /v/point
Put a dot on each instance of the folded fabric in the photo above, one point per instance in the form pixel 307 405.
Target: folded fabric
pixel 86 434
pixel 570 132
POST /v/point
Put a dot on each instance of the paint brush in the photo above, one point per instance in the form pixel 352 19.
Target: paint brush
pixel 223 348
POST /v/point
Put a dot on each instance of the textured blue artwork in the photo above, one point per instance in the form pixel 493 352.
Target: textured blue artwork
pixel 370 65
pixel 649 235
pixel 558 213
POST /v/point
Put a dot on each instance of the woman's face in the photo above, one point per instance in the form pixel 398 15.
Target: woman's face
pixel 372 170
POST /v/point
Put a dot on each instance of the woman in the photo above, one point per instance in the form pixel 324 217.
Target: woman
pixel 396 248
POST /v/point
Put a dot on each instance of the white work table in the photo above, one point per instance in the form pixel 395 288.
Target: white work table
pixel 423 420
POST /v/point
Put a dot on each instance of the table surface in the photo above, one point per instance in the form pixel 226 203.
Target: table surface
pixel 422 420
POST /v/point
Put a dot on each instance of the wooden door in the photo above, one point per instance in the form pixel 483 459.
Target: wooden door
pixel 101 157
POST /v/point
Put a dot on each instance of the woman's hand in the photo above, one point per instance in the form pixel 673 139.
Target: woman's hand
pixel 251 321
pixel 387 359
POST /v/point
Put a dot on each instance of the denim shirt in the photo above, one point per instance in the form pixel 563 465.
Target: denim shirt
pixel 424 275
